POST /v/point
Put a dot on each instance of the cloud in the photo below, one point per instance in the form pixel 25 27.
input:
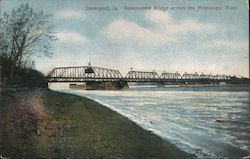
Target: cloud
pixel 168 31
pixel 231 44
pixel 71 38
pixel 126 30
pixel 68 14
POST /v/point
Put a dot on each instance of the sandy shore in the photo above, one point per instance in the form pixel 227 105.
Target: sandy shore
pixel 44 123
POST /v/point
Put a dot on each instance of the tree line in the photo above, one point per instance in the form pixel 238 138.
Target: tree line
pixel 24 33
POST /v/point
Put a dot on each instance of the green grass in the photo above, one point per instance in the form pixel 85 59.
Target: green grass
pixel 75 127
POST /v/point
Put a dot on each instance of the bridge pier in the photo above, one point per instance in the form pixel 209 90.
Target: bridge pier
pixel 112 85
pixel 160 84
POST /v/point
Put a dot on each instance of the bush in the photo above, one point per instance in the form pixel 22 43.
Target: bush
pixel 28 78
pixel 5 63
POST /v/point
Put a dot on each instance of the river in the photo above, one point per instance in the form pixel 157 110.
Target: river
pixel 211 121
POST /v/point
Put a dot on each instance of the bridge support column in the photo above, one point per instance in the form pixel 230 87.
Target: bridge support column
pixel 160 84
pixel 113 85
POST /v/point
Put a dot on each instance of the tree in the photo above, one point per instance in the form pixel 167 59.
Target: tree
pixel 24 33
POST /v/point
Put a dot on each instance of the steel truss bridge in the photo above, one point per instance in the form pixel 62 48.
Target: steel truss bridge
pixel 98 74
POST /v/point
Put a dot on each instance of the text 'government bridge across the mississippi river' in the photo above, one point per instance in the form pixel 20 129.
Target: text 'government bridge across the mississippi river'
pixel 103 78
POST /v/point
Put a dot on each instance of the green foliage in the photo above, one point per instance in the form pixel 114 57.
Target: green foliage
pixel 5 64
pixel 23 76
pixel 28 78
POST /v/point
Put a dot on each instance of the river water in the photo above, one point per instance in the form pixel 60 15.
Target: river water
pixel 207 121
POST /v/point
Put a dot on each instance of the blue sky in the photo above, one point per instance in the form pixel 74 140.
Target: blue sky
pixel 201 40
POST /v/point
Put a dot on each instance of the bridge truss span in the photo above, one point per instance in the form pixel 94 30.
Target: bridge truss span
pixel 170 76
pixel 98 74
pixel 141 76
pixel 83 74
pixel 190 76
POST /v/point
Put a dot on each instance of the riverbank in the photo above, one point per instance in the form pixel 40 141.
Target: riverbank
pixel 44 123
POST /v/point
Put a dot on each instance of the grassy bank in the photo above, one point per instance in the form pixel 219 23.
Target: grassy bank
pixel 43 123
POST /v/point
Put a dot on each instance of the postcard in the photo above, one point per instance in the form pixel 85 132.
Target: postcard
pixel 124 79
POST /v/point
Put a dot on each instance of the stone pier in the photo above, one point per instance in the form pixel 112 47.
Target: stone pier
pixel 93 85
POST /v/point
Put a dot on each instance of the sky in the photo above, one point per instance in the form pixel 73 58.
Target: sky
pixel 204 36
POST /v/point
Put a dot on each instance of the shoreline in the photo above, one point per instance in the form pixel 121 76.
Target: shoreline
pixel 55 124
pixel 134 117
